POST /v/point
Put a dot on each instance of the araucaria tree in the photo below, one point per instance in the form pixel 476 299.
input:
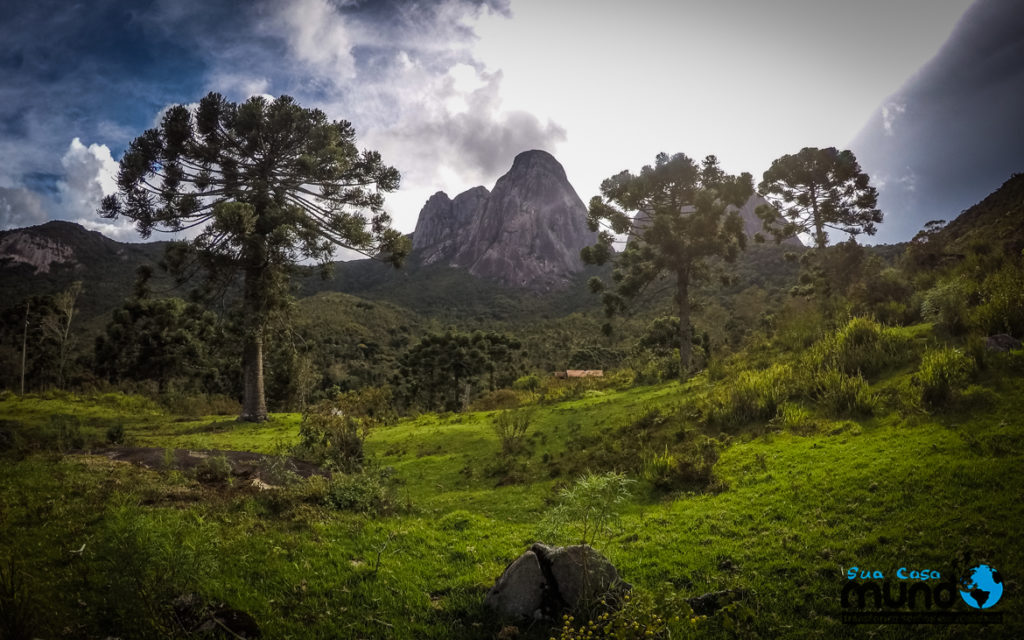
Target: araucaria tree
pixel 818 189
pixel 267 183
pixel 682 219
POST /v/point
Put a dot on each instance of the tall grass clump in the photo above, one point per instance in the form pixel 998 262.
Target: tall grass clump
pixel 861 347
pixel 510 427
pixel 840 394
pixel 942 373
pixel 753 395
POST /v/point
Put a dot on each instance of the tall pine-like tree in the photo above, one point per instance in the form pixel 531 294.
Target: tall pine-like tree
pixel 816 190
pixel 267 183
pixel 683 218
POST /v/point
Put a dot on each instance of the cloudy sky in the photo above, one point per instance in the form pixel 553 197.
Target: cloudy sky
pixel 450 90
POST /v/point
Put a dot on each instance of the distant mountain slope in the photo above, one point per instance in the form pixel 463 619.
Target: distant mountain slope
pixel 997 221
pixel 47 258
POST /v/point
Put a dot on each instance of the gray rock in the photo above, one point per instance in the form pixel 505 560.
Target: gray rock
pixel 583 575
pixel 519 592
pixel 545 580
pixel 1002 343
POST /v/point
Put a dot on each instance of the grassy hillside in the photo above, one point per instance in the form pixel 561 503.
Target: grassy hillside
pixel 745 482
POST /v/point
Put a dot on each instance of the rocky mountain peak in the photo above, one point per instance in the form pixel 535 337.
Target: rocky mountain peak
pixel 527 232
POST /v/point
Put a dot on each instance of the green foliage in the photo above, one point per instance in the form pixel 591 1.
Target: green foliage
pixel 691 470
pixel 510 427
pixel 1001 304
pixel 683 220
pixel 841 394
pixel 943 373
pixel 330 437
pixel 311 191
pixel 815 190
pixel 214 469
pixel 441 371
pixel 751 396
pixel 66 432
pixel 115 433
pixel 945 305
pixel 863 347
pixel 796 419
pixel 530 382
pixel 368 491
pixel 590 508
pixel 497 399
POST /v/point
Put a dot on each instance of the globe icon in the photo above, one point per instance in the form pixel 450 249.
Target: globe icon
pixel 982 587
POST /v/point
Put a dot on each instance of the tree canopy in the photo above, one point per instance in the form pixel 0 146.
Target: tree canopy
pixel 682 219
pixel 815 190
pixel 266 183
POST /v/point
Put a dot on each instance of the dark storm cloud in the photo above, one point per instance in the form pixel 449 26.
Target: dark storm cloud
pixel 952 134
pixel 103 71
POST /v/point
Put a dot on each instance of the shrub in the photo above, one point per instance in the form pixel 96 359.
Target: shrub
pixel 214 470
pixel 1002 303
pixel 279 471
pixel 497 399
pixel 510 427
pixel 942 373
pixel 945 305
pixel 330 438
pixel 368 491
pixel 861 347
pixel 590 508
pixel 529 382
pixel 841 394
pixel 795 419
pixel 754 395
pixel 115 434
pixel 669 471
pixel 67 431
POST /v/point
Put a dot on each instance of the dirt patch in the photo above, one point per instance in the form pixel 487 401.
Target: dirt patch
pixel 245 465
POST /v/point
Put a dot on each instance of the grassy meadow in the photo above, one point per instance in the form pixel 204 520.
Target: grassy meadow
pixel 764 477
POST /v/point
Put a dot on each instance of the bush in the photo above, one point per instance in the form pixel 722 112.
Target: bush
pixel 510 427
pixel 529 382
pixel 115 434
pixel 589 508
pixel 497 399
pixel 945 305
pixel 754 395
pixel 369 491
pixel 331 438
pixel 214 470
pixel 66 430
pixel 841 394
pixel 1002 303
pixel 795 419
pixel 861 347
pixel 669 471
pixel 942 373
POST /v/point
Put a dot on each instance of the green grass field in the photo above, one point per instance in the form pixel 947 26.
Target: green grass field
pixel 91 548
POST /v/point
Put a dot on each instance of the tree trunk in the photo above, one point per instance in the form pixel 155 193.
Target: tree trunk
pixel 685 335
pixel 254 402
pixel 819 224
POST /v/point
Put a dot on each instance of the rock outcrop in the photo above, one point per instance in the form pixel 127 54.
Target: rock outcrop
pixel 546 580
pixel 527 232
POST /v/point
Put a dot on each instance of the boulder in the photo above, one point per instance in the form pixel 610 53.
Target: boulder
pixel 547 579
pixel 1002 343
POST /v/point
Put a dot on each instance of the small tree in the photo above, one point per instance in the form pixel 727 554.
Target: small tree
pixel 510 427
pixel 268 183
pixel 683 219
pixel 57 326
pixel 818 189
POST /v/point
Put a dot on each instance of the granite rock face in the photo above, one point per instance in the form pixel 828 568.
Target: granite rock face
pixel 526 233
